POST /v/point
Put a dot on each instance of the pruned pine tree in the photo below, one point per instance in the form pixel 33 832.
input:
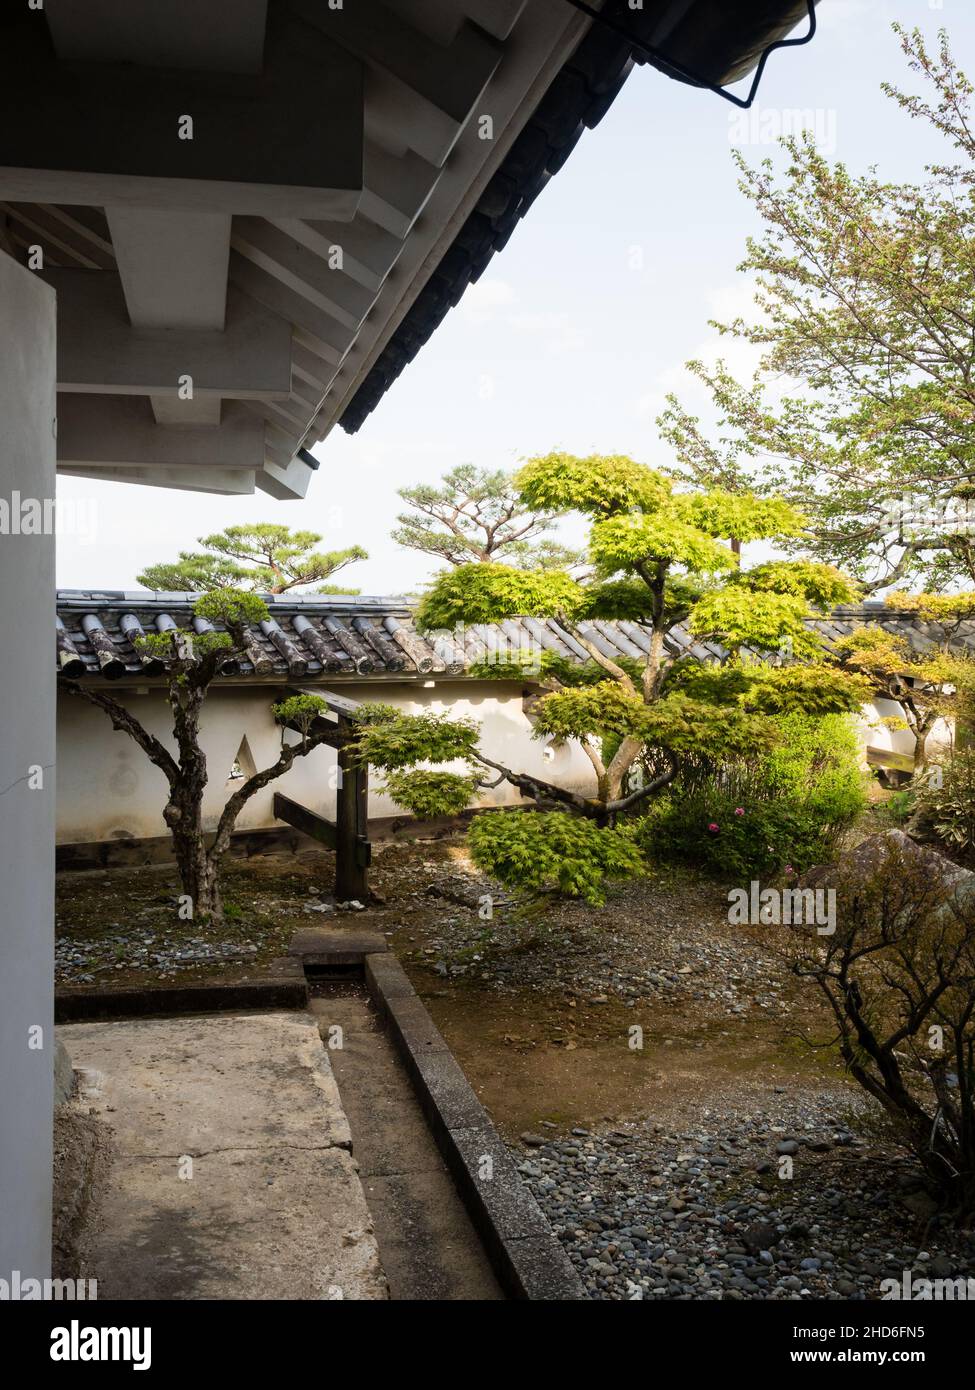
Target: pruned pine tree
pixel 476 514
pixel 190 661
pixel 263 557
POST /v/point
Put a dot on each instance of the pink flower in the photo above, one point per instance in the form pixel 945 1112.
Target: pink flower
pixel 714 827
pixel 789 869
pixel 739 810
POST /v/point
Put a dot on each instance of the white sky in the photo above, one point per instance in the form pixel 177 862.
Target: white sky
pixel 566 342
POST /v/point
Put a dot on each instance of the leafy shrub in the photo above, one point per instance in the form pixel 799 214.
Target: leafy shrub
pixel 430 794
pixel 300 711
pixel 899 807
pixel 481 593
pixel 944 800
pixel 232 607
pixel 784 808
pixel 388 739
pixel 539 852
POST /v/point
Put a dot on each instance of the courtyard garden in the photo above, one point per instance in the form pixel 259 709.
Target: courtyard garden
pixel 715 984
pixel 649 1062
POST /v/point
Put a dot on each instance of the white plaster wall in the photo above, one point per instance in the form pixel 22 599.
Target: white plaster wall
pixel 874 734
pixel 108 789
pixel 27 698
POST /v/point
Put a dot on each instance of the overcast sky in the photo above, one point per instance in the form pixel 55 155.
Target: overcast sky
pixel 582 324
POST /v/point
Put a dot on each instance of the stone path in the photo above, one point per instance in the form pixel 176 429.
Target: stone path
pixel 232 1173
pixel 428 1247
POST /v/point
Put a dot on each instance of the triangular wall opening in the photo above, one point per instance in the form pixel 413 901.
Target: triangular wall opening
pixel 243 765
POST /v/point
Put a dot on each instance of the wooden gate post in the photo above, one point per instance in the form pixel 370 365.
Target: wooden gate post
pixel 353 851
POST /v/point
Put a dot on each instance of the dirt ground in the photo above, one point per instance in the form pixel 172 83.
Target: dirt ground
pixel 654 1004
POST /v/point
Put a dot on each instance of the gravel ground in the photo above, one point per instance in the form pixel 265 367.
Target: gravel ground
pixel 146 950
pixel 123 925
pixel 664 938
pixel 647 1212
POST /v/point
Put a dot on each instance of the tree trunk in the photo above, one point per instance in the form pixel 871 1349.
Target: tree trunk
pixel 623 759
pixel 920 749
pixel 197 872
pixel 184 810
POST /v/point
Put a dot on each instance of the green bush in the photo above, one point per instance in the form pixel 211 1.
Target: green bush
pixel 899 806
pixel 539 852
pixel 944 800
pixel 430 794
pixel 783 809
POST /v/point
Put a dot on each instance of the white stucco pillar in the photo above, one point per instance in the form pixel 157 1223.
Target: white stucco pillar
pixel 27 710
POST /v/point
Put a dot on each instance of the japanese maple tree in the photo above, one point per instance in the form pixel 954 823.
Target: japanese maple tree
pixel 661 559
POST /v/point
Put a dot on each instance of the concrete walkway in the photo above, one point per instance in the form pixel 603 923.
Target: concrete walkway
pixel 233 1175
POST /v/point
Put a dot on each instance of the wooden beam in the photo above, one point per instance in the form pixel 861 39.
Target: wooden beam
pixel 284 482
pixel 121 432
pixel 219 481
pixel 175 35
pixel 101 353
pixel 302 270
pixel 325 730
pixel 368 252
pixel 353 851
pixel 308 822
pixel 284 142
pixel 331 338
pixel 395 188
pixel 437 86
pixel 886 757
pixel 339 704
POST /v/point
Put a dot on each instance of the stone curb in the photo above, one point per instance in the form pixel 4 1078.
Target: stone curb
pixel 528 1259
pixel 283 987
pixel 332 948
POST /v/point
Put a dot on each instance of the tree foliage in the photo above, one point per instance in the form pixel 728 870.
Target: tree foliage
pixel 476 515
pixel 926 681
pixel 264 557
pixel 661 556
pixel 299 711
pixel 540 852
pixel 489 593
pixel 865 309
pixel 429 793
pixel 391 740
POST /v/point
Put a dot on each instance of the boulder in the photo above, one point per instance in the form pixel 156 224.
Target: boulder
pixel 895 852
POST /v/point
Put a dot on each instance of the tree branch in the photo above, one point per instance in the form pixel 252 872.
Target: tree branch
pixel 663 780
pixel 124 722
pixel 540 790
pixel 237 802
